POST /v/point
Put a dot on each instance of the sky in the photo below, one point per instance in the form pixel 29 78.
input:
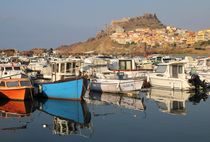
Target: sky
pixel 27 24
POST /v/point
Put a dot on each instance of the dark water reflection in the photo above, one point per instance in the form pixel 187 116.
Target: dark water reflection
pixel 155 115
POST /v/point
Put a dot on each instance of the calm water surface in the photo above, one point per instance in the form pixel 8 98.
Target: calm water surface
pixel 156 115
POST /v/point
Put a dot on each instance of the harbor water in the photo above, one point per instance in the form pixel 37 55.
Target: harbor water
pixel 153 115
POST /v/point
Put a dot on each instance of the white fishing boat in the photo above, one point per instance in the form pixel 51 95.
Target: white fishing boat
pixel 116 85
pixel 39 67
pixel 203 69
pixel 37 63
pixel 122 77
pixel 11 70
pixel 171 76
pixel 123 68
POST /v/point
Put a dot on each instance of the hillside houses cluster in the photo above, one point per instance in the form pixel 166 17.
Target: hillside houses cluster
pixel 159 37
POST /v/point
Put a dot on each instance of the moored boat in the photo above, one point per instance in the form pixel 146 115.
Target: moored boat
pixel 203 69
pixel 170 76
pixel 16 89
pixel 72 89
pixel 116 85
pixel 12 71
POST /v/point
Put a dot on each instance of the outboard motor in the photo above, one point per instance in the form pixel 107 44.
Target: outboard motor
pixel 196 81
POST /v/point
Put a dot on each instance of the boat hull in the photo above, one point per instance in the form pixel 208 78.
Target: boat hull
pixel 16 94
pixel 169 83
pixel 116 86
pixel 69 89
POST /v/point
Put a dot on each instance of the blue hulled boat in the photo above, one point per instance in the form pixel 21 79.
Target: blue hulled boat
pixel 72 89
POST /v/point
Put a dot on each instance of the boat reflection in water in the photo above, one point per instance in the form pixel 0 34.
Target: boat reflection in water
pixel 12 108
pixel 169 101
pixel 69 117
pixel 18 110
pixel 131 101
pixel 199 95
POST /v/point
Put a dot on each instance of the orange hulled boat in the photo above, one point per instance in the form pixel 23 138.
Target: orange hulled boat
pixel 16 88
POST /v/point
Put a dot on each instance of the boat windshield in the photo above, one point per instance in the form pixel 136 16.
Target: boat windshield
pixel 12 84
pixel 8 68
pixel 161 69
pixel 17 68
pixel 25 83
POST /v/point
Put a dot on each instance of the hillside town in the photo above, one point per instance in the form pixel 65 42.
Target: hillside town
pixel 168 36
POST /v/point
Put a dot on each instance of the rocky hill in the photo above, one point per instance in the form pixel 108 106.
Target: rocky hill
pixel 103 44
pixel 146 21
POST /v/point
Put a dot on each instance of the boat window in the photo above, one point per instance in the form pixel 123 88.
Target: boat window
pixel 68 67
pixel 12 84
pixel 200 62
pixel 161 69
pixel 25 83
pixel 122 65
pixel 128 65
pixel 62 68
pixel 74 67
pixel 54 67
pixel 2 69
pixel 16 68
pixel 167 60
pixel 2 83
pixel 175 71
pixel 180 71
pixel 57 69
pixel 159 59
pixel 8 68
pixel 125 65
pixel 208 62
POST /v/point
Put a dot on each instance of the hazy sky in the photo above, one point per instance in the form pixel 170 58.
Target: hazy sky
pixel 26 24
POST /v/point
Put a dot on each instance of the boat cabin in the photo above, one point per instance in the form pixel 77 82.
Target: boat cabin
pixel 122 64
pixel 65 69
pixel 8 83
pixel 9 70
pixel 161 59
pixel 203 64
pixel 171 70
